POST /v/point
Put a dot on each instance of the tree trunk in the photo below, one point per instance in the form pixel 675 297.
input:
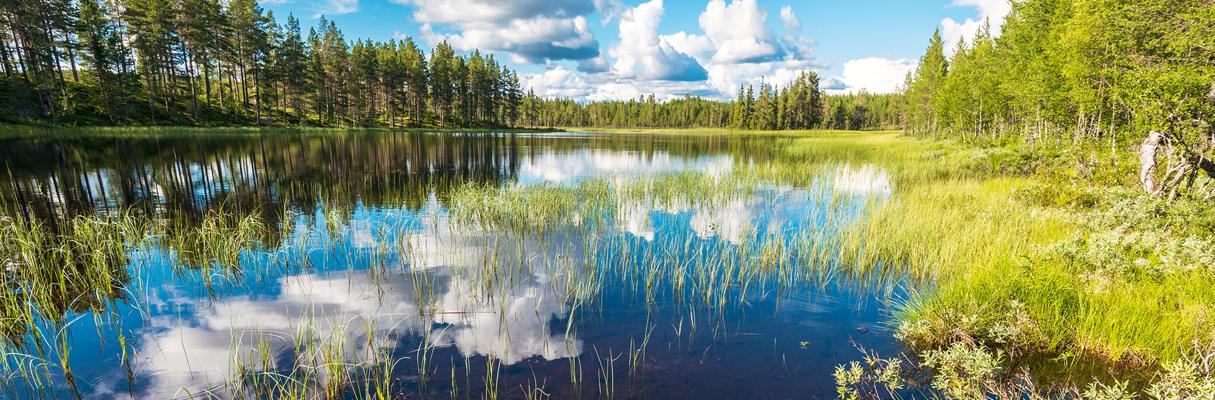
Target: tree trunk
pixel 1184 164
pixel 1147 161
pixel 206 78
pixel 257 99
pixel 190 69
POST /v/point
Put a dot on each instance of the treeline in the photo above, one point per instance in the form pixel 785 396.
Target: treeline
pixel 229 62
pixel 799 105
pixel 1129 75
pixel 1073 70
pixel 862 111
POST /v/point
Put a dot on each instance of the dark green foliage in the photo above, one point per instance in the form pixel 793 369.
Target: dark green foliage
pixel 799 105
pixel 214 62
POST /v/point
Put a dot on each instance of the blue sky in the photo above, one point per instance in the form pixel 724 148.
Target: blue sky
pixel 615 49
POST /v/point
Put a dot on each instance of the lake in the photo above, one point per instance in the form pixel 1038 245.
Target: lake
pixel 470 265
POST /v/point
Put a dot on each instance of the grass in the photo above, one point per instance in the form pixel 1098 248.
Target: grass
pixel 1010 248
pixel 818 133
pixel 1044 255
pixel 1020 258
pixel 532 234
pixel 51 271
pixel 58 271
pixel 1039 264
pixel 12 131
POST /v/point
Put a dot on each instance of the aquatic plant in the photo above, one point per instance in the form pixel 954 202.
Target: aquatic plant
pixel 872 378
pixel 1005 265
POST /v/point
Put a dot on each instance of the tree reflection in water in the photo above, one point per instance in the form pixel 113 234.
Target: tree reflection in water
pixel 313 261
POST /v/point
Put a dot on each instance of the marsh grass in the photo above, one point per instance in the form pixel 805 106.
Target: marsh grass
pixel 77 266
pixel 1005 257
pixel 54 276
pixel 1011 252
pixel 215 242
pixel 521 231
pixel 531 208
pixel 1029 255
pixel 56 272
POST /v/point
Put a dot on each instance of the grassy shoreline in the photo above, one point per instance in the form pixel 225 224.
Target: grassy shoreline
pixel 20 131
pixel 9 131
pixel 1047 258
pixel 1041 263
pixel 1038 264
pixel 727 131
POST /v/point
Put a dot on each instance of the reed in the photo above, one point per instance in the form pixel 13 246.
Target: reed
pixel 980 249
pixel 1051 269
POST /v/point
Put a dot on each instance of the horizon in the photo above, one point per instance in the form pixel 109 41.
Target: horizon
pixel 576 49
pixel 371 199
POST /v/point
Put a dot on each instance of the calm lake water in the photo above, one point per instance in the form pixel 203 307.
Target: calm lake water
pixel 364 273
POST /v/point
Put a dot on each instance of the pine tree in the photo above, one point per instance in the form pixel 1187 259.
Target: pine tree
pixel 738 113
pixel 923 85
pixel 102 54
pixel 292 67
pixel 316 70
pixel 250 44
pixel 765 109
pixel 442 85
pixel 416 79
pixel 334 57
pixel 153 25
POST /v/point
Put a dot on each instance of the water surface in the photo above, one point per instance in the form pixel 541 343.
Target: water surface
pixel 365 275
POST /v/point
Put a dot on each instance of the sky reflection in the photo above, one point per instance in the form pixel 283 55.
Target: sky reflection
pixel 359 282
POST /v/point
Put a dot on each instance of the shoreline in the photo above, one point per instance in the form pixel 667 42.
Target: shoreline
pixel 16 131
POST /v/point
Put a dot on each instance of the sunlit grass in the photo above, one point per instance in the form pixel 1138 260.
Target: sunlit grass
pixel 1008 258
pixel 1001 267
pixel 962 225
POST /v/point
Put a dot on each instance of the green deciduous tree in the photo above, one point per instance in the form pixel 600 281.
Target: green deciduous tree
pixel 1136 75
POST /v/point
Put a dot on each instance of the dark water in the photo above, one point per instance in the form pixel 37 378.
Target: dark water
pixel 363 262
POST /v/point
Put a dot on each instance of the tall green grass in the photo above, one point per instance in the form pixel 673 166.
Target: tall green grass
pixel 1042 263
pixel 1013 251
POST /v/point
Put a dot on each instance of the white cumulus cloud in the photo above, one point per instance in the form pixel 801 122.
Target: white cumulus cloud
pixel 531 30
pixel 873 75
pixel 738 31
pixel 610 9
pixel 327 7
pixel 641 53
pixel 493 12
pixel 990 11
pixel 733 47
pixel 791 22
pixel 557 82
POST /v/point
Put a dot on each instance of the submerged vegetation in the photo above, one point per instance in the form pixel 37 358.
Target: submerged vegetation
pixel 1011 270
pixel 1042 229
pixel 82 264
pixel 1021 275
pixel 77 255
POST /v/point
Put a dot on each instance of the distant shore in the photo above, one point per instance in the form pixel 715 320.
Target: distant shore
pixel 26 131
pixel 38 130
